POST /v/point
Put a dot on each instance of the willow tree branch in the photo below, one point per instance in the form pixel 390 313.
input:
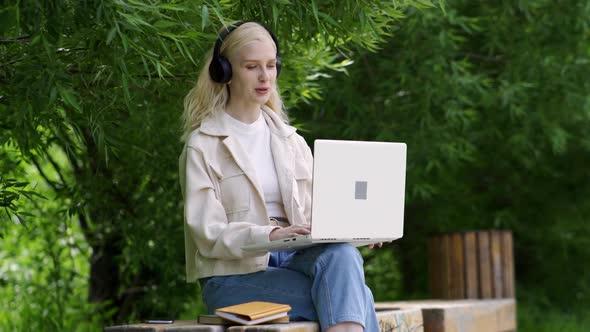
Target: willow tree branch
pixel 20 39
pixel 57 170
pixel 45 177
pixel 66 141
pixel 86 228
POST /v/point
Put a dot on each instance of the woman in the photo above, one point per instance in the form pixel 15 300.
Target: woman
pixel 246 177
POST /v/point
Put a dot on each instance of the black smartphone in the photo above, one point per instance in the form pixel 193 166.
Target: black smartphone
pixel 158 321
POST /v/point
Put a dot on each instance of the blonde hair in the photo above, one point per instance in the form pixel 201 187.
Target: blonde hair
pixel 208 96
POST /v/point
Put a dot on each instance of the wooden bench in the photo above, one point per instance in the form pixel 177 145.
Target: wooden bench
pixel 391 320
pixel 494 315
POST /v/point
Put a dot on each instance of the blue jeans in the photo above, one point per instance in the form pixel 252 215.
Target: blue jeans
pixel 325 283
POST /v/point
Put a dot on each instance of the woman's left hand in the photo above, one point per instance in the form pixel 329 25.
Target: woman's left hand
pixel 379 244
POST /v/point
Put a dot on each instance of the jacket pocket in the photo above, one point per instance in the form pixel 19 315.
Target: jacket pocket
pixel 235 190
pixel 302 183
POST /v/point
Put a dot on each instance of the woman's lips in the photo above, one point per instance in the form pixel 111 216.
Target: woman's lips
pixel 262 91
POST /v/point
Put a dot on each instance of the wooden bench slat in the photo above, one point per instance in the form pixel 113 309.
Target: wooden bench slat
pixel 177 326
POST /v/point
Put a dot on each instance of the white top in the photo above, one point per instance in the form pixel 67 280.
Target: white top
pixel 255 140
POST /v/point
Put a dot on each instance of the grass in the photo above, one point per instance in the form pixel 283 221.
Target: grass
pixel 535 319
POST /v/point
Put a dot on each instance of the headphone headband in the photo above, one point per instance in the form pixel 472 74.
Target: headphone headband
pixel 220 69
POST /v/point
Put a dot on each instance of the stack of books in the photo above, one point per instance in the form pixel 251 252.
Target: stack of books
pixel 250 313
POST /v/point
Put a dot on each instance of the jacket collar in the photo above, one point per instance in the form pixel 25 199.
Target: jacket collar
pixel 213 124
pixel 282 150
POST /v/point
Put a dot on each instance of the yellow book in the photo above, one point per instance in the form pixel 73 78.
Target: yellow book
pixel 216 320
pixel 252 313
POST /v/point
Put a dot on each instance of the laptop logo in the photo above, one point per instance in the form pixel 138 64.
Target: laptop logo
pixel 360 190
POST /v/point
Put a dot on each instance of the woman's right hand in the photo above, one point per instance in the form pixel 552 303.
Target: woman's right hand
pixel 290 231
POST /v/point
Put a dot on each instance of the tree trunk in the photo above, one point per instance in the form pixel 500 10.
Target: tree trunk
pixel 103 233
pixel 105 271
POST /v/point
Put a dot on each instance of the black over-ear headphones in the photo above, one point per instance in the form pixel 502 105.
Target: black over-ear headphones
pixel 220 68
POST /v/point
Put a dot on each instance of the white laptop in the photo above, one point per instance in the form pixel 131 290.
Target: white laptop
pixel 357 197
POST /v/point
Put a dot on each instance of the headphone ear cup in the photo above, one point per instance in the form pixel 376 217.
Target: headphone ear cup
pixel 278 65
pixel 225 66
pixel 220 69
pixel 214 69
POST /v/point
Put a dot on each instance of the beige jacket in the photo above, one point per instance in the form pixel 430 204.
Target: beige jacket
pixel 224 204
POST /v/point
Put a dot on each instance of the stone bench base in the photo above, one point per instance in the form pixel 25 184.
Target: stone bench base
pixel 494 315
pixel 391 320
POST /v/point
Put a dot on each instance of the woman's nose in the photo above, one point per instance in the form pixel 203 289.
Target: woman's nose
pixel 264 74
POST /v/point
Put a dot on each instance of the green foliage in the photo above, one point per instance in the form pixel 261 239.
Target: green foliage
pixel 11 191
pixel 44 270
pixel 382 272
pixel 492 100
pixel 44 284
pixel 534 319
